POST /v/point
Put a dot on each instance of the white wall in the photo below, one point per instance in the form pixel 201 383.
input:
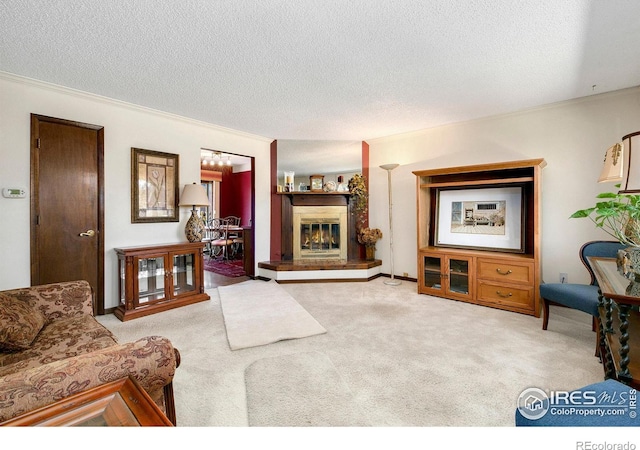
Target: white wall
pixel 572 137
pixel 125 126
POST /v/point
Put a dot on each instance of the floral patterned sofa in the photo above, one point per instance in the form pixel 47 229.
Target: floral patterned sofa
pixel 51 347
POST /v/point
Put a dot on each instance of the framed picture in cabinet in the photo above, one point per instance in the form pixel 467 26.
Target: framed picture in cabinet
pixel 154 186
pixel 483 218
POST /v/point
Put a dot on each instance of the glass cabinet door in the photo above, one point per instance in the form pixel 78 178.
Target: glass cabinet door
pixel 151 275
pixel 184 273
pixel 432 272
pixel 459 276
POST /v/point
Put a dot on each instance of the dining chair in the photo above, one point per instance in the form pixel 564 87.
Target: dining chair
pixel 234 221
pixel 219 238
pixel 582 297
pixel 235 234
pixel 206 238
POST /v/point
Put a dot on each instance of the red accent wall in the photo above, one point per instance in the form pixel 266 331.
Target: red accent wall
pixel 365 172
pixel 275 252
pixel 235 196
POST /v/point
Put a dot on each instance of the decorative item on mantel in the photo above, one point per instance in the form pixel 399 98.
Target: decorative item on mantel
pixel 330 186
pixel 288 181
pixel 316 182
pixel 618 214
pixel 368 237
pixel 194 195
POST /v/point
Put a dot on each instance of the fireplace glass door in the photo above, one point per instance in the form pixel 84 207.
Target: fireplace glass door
pixel 320 236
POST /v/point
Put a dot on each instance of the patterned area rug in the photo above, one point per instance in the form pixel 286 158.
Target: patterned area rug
pixel 232 268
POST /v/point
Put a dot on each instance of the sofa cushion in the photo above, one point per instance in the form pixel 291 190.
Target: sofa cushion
pixel 60 339
pixel 20 323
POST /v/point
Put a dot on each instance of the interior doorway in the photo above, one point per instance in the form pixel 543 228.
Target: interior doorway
pixel 67 203
pixel 229 180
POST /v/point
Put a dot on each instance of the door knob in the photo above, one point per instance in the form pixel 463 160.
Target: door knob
pixel 88 233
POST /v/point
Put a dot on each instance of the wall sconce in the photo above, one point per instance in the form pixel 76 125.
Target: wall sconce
pixel 619 164
pixel 194 195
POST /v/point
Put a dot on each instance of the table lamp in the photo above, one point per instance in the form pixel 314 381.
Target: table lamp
pixel 194 195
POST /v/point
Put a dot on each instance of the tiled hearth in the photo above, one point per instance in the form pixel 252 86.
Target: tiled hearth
pixel 318 270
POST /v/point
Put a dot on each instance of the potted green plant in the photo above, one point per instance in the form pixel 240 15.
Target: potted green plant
pixel 618 215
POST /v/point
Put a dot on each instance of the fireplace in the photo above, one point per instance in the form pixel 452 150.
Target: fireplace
pixel 320 232
pixel 313 206
pixel 321 258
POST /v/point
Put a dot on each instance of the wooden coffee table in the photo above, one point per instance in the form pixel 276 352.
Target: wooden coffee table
pixel 117 404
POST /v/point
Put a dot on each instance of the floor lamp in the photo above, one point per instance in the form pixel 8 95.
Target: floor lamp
pixel 389 168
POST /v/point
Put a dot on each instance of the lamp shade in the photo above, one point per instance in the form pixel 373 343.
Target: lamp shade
pixel 631 180
pixel 194 195
pixel 613 164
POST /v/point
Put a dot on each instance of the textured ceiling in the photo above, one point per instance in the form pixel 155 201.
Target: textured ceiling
pixel 327 70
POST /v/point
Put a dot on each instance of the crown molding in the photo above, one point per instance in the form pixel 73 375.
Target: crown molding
pixel 122 104
pixel 548 106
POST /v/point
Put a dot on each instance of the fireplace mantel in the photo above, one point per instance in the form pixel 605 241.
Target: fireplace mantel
pixel 314 193
pixel 309 198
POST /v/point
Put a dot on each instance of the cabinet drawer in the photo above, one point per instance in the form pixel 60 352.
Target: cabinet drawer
pixel 505 294
pixel 505 271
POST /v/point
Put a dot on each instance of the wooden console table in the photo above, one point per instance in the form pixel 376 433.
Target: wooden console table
pixel 119 403
pixel 619 329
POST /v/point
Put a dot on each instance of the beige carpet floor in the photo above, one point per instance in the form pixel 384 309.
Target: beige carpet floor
pixel 300 390
pixel 407 359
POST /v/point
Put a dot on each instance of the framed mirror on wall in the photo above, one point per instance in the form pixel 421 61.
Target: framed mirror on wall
pixel 328 161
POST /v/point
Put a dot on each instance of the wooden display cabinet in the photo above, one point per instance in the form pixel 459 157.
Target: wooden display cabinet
pixel 446 275
pixel 505 278
pixel 158 278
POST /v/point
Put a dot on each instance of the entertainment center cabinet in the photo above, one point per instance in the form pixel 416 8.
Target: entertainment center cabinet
pixel 479 234
pixel 160 277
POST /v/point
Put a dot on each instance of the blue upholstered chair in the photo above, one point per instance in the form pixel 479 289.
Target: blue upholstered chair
pixel 583 297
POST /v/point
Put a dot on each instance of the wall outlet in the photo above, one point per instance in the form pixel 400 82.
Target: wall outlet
pixel 564 278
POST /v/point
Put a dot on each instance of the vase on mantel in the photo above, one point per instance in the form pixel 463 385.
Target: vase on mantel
pixel 370 252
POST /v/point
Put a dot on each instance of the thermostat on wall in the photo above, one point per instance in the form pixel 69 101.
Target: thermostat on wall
pixel 14 193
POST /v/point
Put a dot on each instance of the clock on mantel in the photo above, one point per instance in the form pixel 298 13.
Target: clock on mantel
pixel 316 182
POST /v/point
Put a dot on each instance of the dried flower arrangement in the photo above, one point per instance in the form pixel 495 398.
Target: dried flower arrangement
pixel 369 236
pixel 360 199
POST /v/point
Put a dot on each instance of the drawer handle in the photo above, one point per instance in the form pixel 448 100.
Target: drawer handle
pixel 503 273
pixel 500 294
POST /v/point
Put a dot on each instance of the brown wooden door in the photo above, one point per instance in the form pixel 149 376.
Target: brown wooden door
pixel 67 203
